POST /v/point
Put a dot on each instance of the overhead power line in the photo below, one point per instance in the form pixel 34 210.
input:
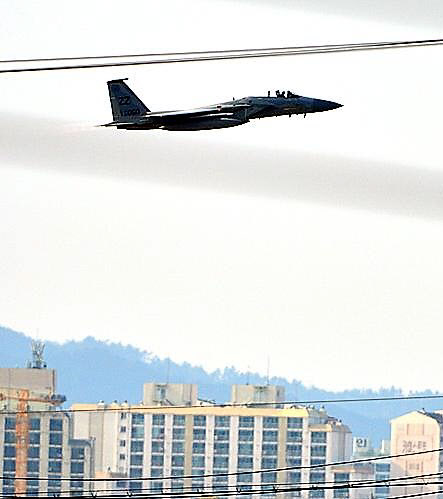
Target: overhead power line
pixel 201 52
pixel 404 481
pixel 241 490
pixel 250 405
pixel 229 55
pixel 238 473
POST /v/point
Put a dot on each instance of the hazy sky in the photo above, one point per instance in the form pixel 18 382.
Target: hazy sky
pixel 315 241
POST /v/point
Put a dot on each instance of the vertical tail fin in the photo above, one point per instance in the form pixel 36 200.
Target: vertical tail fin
pixel 125 104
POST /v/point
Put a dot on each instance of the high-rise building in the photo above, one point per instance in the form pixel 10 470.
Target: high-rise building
pixel 38 453
pixel 156 445
pixel 411 433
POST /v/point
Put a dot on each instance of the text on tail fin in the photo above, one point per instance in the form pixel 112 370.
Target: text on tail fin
pixel 124 103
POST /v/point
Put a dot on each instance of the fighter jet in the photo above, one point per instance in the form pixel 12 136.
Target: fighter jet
pixel 129 112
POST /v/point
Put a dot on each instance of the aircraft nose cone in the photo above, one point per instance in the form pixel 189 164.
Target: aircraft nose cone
pixel 325 105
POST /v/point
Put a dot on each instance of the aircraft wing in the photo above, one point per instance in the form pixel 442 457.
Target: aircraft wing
pixel 202 111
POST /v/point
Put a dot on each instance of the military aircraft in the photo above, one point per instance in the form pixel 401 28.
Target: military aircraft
pixel 130 113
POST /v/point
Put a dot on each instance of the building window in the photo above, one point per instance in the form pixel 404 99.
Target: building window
pixel 123 415
pixel 9 451
pixel 135 485
pixel 56 424
pixel 156 448
pixel 136 459
pixel 245 462
pixel 295 422
pixel 34 424
pixel 178 447
pixel 178 460
pixel 268 463
pixel 156 472
pixel 54 438
pixel 10 423
pixel 246 422
pixel 77 453
pixel 137 432
pixel 199 420
pixel 122 443
pixel 198 448
pixel 137 445
pixel 198 461
pixel 318 461
pixel 178 433
pixel 318 437
pixel 270 422
pixel 220 462
pixel 293 461
pixel 77 467
pixel 199 434
pixel 9 437
pixel 122 429
pixel 220 435
pixel 34 437
pixel 158 420
pixel 318 451
pixel 294 436
pixel 245 478
pixel 135 472
pixel 293 450
pixel 33 466
pixel 316 477
pixel 138 418
pixel 270 477
pixel 34 452
pixel 8 465
pixel 54 466
pixel 222 421
pixel 55 452
pixel 245 435
pixel 122 457
pixel 269 449
pixel 156 460
pixel 158 432
pixel 245 449
pixel 294 476
pixel 221 448
pixel 270 436
pixel 178 420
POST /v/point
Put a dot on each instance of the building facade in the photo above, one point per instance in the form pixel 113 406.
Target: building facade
pixel 38 454
pixel 156 446
pixel 414 432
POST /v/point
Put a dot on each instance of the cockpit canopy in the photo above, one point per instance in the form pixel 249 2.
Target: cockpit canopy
pixel 286 94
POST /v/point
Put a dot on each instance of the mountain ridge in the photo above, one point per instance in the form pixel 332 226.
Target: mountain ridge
pixel 91 370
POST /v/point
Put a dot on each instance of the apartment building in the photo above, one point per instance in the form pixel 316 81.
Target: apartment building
pixel 37 451
pixel 169 436
pixel 413 432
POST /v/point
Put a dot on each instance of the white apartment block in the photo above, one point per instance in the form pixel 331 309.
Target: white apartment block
pixel 164 443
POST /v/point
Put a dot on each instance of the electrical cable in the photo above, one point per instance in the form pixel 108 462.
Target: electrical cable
pixel 244 489
pixel 361 483
pixel 198 52
pixel 248 55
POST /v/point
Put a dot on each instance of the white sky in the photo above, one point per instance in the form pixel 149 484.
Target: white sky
pixel 315 241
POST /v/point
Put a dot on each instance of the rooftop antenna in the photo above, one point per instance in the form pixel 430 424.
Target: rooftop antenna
pixel 267 371
pixel 168 367
pixel 37 348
